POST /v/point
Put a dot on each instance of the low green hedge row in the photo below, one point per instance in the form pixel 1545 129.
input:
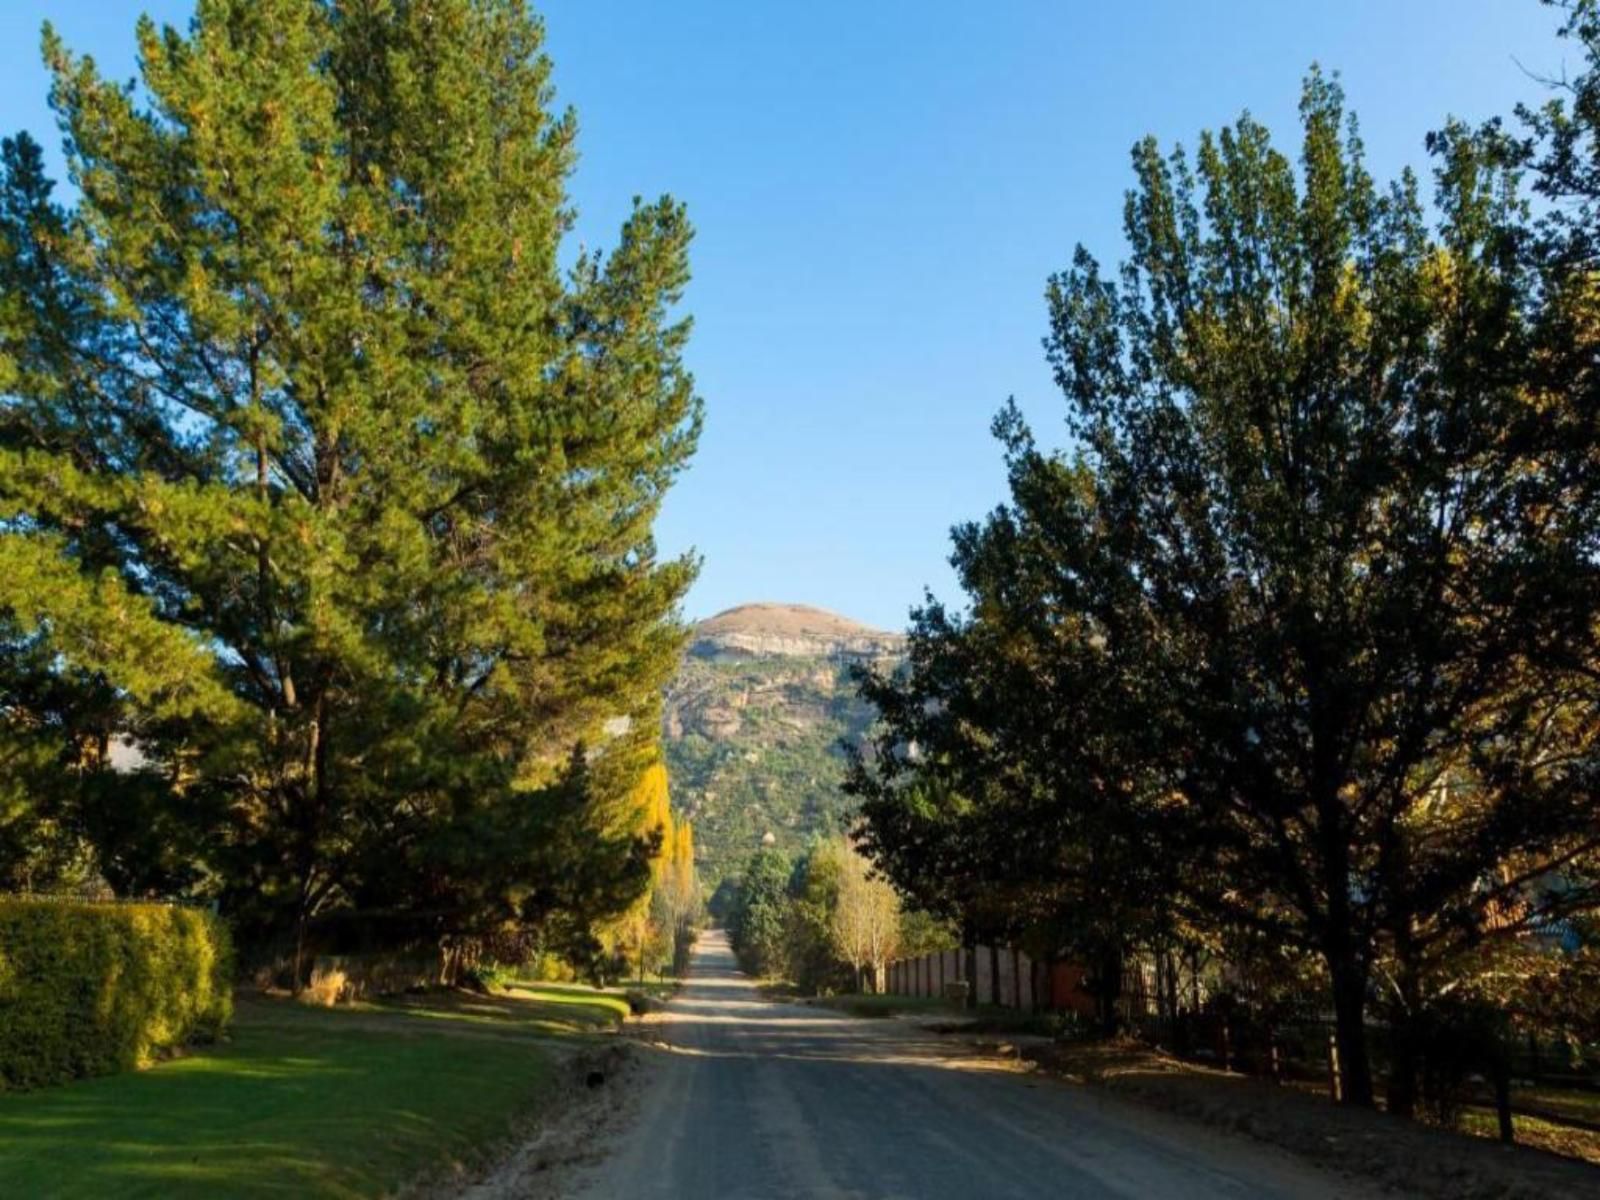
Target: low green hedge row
pixel 90 989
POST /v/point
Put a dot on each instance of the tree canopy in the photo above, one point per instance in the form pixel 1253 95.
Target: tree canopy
pixel 1301 634
pixel 324 481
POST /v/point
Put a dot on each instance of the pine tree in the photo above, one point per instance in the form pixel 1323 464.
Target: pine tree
pixel 321 474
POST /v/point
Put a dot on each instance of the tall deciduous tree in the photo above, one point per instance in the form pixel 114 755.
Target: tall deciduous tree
pixel 1340 527
pixel 866 919
pixel 1327 544
pixel 1006 754
pixel 321 477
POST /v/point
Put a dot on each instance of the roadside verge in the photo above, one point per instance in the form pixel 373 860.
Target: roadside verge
pixel 323 1103
pixel 1409 1158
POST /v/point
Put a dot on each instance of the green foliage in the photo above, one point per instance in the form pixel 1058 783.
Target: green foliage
pixel 826 925
pixel 809 950
pixel 91 989
pixel 758 922
pixel 922 933
pixel 325 481
pixel 1300 642
pixel 780 772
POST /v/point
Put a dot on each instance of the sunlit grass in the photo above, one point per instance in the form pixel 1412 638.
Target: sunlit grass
pixel 1531 1131
pixel 543 1007
pixel 301 1101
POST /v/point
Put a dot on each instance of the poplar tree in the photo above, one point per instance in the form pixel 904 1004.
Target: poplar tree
pixel 323 477
pixel 865 919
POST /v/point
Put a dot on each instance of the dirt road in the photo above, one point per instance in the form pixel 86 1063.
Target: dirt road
pixel 756 1099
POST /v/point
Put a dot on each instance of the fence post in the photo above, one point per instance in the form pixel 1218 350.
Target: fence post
pixel 1227 1045
pixel 1277 1065
pixel 1335 1084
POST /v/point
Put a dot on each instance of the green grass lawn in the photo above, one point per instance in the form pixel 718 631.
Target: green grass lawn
pixel 1566 1102
pixel 302 1101
pixel 530 1008
pixel 1531 1131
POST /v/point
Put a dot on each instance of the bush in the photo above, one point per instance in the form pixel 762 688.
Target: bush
pixel 492 976
pixel 90 989
pixel 344 978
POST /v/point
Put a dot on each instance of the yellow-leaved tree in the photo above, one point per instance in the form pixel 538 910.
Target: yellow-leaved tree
pixel 659 927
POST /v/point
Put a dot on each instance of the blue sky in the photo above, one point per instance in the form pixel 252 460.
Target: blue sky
pixel 880 191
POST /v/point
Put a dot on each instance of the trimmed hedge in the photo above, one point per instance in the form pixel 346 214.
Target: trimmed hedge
pixel 91 989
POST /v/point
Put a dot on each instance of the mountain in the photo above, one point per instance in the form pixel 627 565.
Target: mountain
pixel 753 722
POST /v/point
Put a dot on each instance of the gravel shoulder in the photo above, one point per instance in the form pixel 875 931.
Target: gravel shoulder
pixel 1407 1159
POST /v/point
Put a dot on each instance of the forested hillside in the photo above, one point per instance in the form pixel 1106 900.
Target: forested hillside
pixel 753 727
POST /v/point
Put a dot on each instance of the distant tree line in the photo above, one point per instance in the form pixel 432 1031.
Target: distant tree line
pixel 827 922
pixel 326 487
pixel 1293 654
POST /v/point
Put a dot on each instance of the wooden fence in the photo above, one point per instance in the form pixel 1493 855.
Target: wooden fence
pixel 997 976
pixel 1300 1051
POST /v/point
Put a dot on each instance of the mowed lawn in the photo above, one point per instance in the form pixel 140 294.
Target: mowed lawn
pixel 303 1101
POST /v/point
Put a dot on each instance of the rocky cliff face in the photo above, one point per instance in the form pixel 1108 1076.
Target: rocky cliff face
pixel 791 631
pixel 754 722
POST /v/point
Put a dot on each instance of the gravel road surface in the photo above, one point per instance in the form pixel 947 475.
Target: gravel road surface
pixel 743 1097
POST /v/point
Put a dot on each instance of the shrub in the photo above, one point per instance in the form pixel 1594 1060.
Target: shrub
pixel 492 976
pixel 343 978
pixel 90 989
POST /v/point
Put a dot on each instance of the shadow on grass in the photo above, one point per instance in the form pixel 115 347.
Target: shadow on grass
pixel 541 1008
pixel 298 1102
